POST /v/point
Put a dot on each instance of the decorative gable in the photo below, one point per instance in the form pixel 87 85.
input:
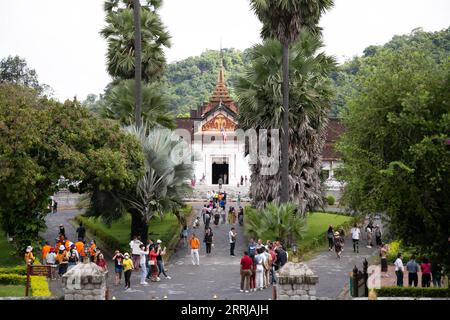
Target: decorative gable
pixel 218 122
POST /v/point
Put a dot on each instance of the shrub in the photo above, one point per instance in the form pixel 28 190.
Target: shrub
pixel 330 200
pixel 20 270
pixel 111 242
pixel 39 287
pixel 413 292
pixel 15 279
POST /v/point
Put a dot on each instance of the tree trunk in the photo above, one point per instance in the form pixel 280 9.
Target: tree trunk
pixel 284 196
pixel 137 63
pixel 139 226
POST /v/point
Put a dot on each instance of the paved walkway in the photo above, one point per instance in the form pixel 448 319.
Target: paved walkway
pixel 218 274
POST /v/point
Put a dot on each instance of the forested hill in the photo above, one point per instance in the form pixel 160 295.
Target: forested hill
pixel 191 81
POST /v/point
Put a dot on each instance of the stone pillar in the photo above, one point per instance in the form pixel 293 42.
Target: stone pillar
pixel 85 281
pixel 296 282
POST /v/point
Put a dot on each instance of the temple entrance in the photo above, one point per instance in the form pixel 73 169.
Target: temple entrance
pixel 220 168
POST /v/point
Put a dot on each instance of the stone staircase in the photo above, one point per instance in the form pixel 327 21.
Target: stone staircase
pixel 200 190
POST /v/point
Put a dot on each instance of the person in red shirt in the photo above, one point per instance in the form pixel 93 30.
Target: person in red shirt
pixel 246 272
pixel 425 266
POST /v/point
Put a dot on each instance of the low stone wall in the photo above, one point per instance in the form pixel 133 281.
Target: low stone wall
pixel 66 199
pixel 296 281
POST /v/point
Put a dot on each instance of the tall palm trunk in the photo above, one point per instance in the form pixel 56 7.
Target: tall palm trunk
pixel 138 72
pixel 284 196
pixel 139 226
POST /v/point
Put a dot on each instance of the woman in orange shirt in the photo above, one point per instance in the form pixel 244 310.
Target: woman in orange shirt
pixel 45 250
pixel 92 249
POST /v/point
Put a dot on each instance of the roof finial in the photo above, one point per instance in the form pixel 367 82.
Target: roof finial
pixel 221 78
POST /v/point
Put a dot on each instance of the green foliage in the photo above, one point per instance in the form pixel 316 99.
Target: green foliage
pixel 98 233
pixel 330 200
pixel 119 33
pixel 40 140
pixel 191 81
pixel 15 70
pixel 280 221
pixel 119 104
pixel 413 292
pixel 395 148
pixel 39 286
pixel 20 270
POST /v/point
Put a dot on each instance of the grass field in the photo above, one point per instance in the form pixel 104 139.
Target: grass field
pixel 318 223
pixel 7 256
pixel 12 291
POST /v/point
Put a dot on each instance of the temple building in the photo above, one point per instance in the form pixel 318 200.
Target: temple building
pixel 212 130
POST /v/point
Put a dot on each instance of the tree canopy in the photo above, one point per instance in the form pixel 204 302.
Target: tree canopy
pixel 42 139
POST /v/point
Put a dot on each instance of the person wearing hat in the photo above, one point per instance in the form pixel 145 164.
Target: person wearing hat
pixel 338 244
pixel 29 258
pixel 159 259
pixel 62 259
pixel 127 268
pixel 51 261
pixel 118 266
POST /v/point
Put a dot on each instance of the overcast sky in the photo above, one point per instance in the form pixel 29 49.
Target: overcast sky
pixel 60 38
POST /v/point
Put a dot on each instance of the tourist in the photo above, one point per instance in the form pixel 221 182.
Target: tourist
pixel 384 264
pixel 159 259
pixel 204 209
pixel 232 238
pixel 233 215
pixel 73 260
pixel 246 272
pixel 273 261
pixel 223 214
pixel 45 250
pixel 436 272
pixel 378 235
pixel 62 231
pixel 330 237
pixel 101 262
pixel 342 235
pixel 241 216
pixel 118 266
pixel 338 244
pixel 143 253
pixel 267 264
pixel 62 260
pixel 425 266
pixel 246 180
pixel 79 246
pixel 153 264
pixel 208 240
pixel 399 270
pixel 207 219
pixel 196 223
pixel 29 258
pixel 92 250
pixel 55 207
pixel 238 200
pixel 81 232
pixel 259 259
pixel 356 232
pixel 51 261
pixel 220 182
pixel 251 247
pixel 281 256
pixel 135 246
pixel 127 268
pixel 242 180
pixel 216 216
pixel 369 236
pixel 253 276
pixel 194 244
pixel 413 268
pixel 184 234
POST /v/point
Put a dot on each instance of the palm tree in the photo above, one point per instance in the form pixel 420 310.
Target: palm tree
pixel 119 104
pixel 278 221
pixel 120 35
pixel 260 101
pixel 159 190
pixel 282 20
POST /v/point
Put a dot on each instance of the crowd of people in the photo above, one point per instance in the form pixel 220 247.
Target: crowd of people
pixel 430 272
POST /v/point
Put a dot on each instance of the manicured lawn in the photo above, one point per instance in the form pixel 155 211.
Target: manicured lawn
pixel 158 229
pixel 318 223
pixel 7 256
pixel 12 291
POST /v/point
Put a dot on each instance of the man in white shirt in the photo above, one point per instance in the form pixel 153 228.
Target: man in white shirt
pixel 356 233
pixel 399 270
pixel 232 237
pixel 135 246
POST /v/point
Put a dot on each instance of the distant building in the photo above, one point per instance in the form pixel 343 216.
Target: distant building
pixel 215 121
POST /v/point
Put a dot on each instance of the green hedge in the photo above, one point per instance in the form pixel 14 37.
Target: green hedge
pixel 330 200
pixel 413 292
pixel 21 270
pixel 15 279
pixel 111 242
